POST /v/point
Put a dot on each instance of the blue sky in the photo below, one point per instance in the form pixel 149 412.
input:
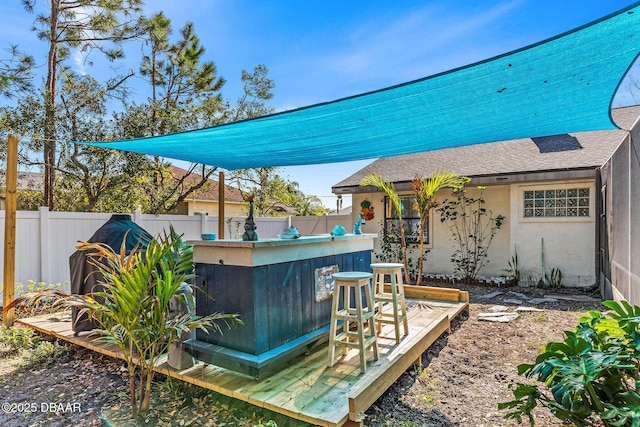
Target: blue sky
pixel 319 51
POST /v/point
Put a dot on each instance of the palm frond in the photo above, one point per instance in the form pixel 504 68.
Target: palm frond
pixel 387 187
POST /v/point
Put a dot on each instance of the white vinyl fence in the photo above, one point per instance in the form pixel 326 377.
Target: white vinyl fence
pixel 45 240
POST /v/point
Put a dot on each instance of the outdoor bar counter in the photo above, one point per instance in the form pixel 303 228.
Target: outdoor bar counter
pixel 282 289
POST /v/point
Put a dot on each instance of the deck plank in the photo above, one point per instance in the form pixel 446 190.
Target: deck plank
pixel 306 388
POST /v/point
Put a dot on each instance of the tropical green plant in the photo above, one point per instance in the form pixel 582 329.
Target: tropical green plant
pixel 135 314
pixel 133 309
pixel 593 373
pixel 532 281
pixel 383 184
pixel 473 228
pixel 424 190
pixel 514 269
pixel 554 278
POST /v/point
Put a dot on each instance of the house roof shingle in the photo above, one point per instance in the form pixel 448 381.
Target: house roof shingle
pixel 210 189
pixel 505 157
pixel 26 181
pixel 32 181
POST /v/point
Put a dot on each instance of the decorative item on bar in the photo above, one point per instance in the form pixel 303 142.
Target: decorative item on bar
pixel 290 233
pixel 338 230
pixel 357 227
pixel 250 233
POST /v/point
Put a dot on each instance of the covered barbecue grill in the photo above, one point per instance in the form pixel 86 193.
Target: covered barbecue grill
pixel 84 277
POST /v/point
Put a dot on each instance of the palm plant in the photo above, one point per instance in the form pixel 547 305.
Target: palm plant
pixel 424 190
pixel 383 184
pixel 133 307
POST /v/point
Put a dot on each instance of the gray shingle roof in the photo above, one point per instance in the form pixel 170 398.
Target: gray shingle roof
pixel 26 181
pixel 495 158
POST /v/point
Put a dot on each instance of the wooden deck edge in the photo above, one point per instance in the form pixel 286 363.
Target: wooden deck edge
pixel 82 341
pixel 433 293
pixel 366 393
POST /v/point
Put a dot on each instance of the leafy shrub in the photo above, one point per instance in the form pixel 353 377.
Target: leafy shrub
pixel 18 338
pixel 593 373
pixel 391 250
pixel 45 353
pixel 473 228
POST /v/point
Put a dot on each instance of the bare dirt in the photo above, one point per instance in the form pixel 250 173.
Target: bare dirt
pixel 464 376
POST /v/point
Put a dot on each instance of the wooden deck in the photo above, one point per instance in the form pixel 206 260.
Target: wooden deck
pixel 306 389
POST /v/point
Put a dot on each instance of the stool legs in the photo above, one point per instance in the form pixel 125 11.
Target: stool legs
pixel 334 324
pixel 369 321
pixel 363 318
pixel 395 298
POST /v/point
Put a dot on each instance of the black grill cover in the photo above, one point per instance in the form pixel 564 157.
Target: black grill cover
pixel 84 276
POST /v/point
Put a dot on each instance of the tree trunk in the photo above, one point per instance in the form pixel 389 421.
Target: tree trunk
pixel 403 244
pixel 145 395
pixel 420 255
pixel 49 154
pixel 132 394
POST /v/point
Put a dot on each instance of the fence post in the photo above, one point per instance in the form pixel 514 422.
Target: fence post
pixel 203 222
pixel 10 228
pixel 45 250
pixel 137 217
pixel 221 200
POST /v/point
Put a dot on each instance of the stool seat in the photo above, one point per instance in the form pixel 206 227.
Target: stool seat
pixel 387 265
pixel 390 294
pixel 355 312
pixel 352 275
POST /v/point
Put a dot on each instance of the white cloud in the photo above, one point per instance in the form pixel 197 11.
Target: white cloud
pixel 424 38
pixel 79 62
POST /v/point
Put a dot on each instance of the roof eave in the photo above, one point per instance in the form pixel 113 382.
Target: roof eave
pixel 587 172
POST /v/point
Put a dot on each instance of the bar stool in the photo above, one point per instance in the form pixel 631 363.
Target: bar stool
pixel 394 297
pixel 353 282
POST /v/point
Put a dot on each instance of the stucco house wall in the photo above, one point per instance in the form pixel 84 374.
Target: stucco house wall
pixel 569 244
pixel 210 207
pixel 441 245
pixel 508 169
pixel 206 198
pixel 564 243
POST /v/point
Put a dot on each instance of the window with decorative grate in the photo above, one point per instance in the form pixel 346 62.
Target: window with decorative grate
pixel 559 202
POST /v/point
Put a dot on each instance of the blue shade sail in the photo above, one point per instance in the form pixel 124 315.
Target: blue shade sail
pixel 562 85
